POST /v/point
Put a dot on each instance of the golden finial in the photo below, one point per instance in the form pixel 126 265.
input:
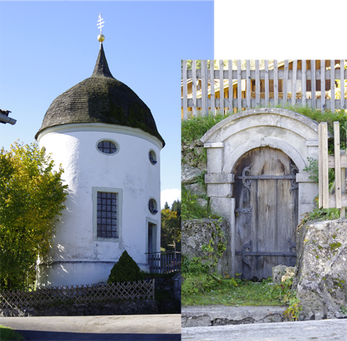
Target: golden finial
pixel 100 25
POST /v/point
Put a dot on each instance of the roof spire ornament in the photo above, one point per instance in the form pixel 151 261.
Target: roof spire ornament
pixel 100 25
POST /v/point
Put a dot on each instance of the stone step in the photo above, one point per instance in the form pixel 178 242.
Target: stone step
pixel 218 315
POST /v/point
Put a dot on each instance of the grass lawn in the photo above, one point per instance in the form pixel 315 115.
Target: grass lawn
pixel 9 334
pixel 240 293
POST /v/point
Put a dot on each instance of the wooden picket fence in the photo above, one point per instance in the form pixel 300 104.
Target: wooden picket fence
pixel 293 82
pixel 79 294
pixel 338 161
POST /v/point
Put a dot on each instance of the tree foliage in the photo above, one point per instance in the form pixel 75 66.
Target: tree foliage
pixel 31 198
pixel 171 226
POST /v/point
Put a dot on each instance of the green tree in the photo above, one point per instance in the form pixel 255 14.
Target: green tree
pixel 31 198
pixel 176 206
pixel 171 226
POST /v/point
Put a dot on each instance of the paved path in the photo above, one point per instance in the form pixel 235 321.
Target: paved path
pixel 298 331
pixel 118 327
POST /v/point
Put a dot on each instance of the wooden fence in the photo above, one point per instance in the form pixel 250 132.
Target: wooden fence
pixel 79 294
pixel 235 86
pixel 338 161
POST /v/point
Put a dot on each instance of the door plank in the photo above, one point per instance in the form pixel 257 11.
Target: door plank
pixel 266 212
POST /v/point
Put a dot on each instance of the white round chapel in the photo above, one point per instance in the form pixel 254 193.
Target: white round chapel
pixel 106 139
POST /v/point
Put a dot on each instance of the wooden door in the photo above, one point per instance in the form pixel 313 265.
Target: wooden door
pixel 266 212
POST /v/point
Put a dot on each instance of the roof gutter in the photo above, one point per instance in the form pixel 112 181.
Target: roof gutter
pixel 5 119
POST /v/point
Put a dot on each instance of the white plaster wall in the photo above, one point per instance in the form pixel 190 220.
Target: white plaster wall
pixel 78 257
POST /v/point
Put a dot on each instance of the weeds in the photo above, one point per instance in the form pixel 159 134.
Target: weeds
pixel 320 213
pixel 191 209
pixel 204 289
pixel 196 127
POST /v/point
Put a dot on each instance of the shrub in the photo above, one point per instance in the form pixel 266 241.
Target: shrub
pixel 125 270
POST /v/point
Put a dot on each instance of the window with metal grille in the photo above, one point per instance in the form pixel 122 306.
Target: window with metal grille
pixel 107 147
pixel 107 215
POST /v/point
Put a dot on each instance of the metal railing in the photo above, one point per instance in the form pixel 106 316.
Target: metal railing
pixel 167 262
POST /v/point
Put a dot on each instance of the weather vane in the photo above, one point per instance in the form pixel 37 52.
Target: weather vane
pixel 100 25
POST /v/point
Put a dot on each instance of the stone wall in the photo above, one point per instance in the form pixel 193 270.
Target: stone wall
pixel 193 166
pixel 200 232
pixel 197 233
pixel 111 308
pixel 321 271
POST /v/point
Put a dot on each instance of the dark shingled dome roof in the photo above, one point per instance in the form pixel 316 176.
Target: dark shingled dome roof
pixel 100 99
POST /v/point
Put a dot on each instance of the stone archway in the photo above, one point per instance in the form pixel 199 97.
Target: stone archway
pixel 292 135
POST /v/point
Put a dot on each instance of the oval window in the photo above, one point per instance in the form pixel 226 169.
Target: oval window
pixel 152 206
pixel 152 157
pixel 107 147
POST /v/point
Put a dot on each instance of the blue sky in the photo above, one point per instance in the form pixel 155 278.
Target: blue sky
pixel 48 47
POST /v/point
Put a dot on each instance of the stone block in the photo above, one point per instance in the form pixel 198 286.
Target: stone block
pixel 219 190
pixel 219 178
pixel 221 206
pixel 214 160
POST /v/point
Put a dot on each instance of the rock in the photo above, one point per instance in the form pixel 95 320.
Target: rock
pixel 289 273
pixel 321 272
pixel 189 174
pixel 193 154
pixel 202 202
pixel 199 232
pixel 196 189
pixel 217 315
pixel 277 272
pixel 281 273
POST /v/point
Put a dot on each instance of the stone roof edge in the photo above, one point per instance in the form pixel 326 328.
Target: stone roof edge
pixel 277 111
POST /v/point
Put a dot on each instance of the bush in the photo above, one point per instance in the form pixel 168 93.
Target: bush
pixel 125 270
pixel 196 127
